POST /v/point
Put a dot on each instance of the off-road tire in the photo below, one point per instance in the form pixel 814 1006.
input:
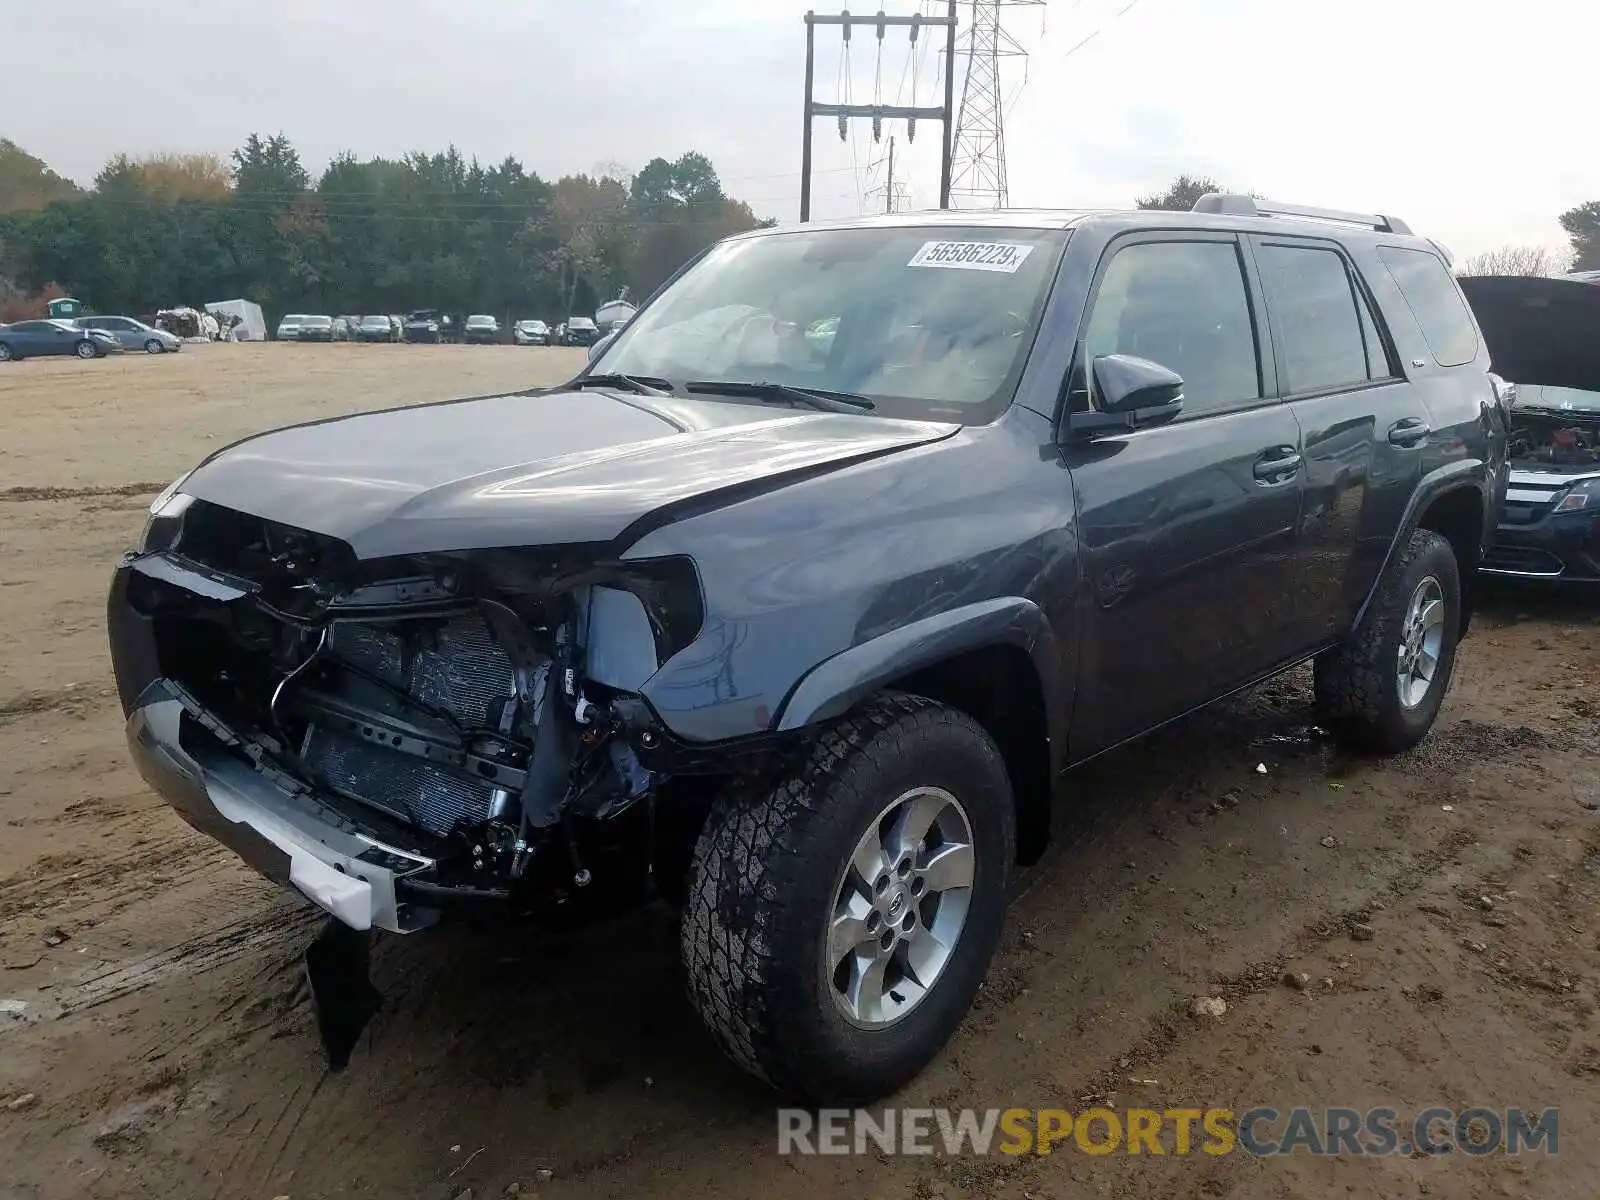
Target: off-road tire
pixel 1356 684
pixel 761 893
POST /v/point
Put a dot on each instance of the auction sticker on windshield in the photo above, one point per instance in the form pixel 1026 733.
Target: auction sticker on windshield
pixel 972 256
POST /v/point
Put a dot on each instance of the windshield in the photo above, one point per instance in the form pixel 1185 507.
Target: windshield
pixel 292 319
pixel 316 322
pixel 928 322
pixel 1533 395
pixel 579 323
pixel 375 320
pixel 480 320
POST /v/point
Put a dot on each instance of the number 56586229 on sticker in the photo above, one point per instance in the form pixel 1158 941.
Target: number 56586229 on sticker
pixel 972 256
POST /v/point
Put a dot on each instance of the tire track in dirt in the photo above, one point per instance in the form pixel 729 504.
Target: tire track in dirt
pixel 25 495
pixel 72 699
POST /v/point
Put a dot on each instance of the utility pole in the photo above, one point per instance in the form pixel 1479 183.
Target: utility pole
pixel 888 186
pixel 980 148
pixel 944 113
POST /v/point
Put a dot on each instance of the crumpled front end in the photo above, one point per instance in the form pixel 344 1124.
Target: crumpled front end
pixel 393 737
pixel 402 738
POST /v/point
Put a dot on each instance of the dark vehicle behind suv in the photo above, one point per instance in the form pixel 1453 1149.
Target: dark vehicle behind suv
pixel 804 632
pixel 580 331
pixel 1544 338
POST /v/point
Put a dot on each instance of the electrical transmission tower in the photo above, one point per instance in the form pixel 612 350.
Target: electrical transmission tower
pixel 978 167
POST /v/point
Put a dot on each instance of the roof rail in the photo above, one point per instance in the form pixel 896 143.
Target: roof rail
pixel 1234 205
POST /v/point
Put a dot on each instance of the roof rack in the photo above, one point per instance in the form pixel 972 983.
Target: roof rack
pixel 1234 205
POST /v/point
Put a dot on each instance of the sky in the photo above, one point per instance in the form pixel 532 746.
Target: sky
pixel 1456 116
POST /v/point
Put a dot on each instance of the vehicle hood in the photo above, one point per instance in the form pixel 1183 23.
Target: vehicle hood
pixel 1539 331
pixel 531 468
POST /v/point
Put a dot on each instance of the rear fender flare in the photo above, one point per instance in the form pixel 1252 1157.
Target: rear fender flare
pixel 1469 475
pixel 835 685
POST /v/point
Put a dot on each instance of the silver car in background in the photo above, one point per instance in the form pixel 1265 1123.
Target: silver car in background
pixel 134 335
pixel 289 327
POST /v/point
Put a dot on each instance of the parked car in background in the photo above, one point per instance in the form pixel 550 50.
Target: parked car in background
pixel 581 331
pixel 344 328
pixel 480 329
pixel 289 327
pixel 316 329
pixel 425 325
pixel 54 336
pixel 376 328
pixel 1544 341
pixel 530 333
pixel 134 335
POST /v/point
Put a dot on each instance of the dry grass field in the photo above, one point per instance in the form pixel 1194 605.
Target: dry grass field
pixel 155 1038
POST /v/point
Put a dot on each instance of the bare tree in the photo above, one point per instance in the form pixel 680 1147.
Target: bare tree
pixel 1519 260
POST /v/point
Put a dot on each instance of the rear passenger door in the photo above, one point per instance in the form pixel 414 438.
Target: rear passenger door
pixel 1187 530
pixel 1363 429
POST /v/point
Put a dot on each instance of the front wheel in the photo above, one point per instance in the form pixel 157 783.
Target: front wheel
pixel 839 926
pixel 1380 692
pixel 5 353
pixel 154 347
pixel 87 349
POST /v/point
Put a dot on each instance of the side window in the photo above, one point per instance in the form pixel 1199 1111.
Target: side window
pixel 1436 303
pixel 1313 307
pixel 1183 305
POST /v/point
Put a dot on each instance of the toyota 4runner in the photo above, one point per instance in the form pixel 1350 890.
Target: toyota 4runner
pixel 805 633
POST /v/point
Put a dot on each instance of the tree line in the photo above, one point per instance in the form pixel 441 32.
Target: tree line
pixel 366 235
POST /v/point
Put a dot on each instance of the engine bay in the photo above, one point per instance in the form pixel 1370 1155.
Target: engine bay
pixel 1555 438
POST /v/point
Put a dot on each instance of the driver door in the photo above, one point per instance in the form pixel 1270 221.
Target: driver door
pixel 1187 530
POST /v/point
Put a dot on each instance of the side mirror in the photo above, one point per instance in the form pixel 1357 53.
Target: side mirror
pixel 1133 393
pixel 599 347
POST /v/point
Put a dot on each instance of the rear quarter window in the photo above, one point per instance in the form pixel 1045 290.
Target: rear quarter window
pixel 1435 302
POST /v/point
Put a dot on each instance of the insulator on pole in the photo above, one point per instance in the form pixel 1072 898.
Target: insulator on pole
pixel 911 129
pixel 844 128
pixel 877 126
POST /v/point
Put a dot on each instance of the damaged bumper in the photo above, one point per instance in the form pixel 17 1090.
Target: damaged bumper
pixel 290 837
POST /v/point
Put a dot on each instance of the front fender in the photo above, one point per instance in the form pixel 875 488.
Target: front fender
pixel 834 686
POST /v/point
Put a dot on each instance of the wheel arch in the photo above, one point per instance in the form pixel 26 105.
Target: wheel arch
pixel 998 661
pixel 1454 503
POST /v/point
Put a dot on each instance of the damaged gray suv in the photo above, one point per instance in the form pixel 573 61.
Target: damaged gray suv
pixel 802 632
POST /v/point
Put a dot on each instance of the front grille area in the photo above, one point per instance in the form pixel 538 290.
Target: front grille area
pixel 1521 560
pixel 457 669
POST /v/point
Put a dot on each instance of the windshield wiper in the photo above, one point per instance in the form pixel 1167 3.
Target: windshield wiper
pixel 825 401
pixel 645 386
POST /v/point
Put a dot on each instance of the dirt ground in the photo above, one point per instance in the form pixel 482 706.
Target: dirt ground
pixel 1445 907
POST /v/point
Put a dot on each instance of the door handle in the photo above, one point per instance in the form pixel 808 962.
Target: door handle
pixel 1408 432
pixel 1276 464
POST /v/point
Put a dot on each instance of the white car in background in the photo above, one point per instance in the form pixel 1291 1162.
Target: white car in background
pixel 289 327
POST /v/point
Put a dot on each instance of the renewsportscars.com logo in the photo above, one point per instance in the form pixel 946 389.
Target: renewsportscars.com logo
pixel 1260 1132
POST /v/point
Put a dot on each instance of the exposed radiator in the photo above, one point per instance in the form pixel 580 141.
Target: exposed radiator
pixel 458 669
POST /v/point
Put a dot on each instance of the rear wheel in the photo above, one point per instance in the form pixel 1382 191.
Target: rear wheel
pixel 87 349
pixel 838 927
pixel 1381 691
pixel 5 353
